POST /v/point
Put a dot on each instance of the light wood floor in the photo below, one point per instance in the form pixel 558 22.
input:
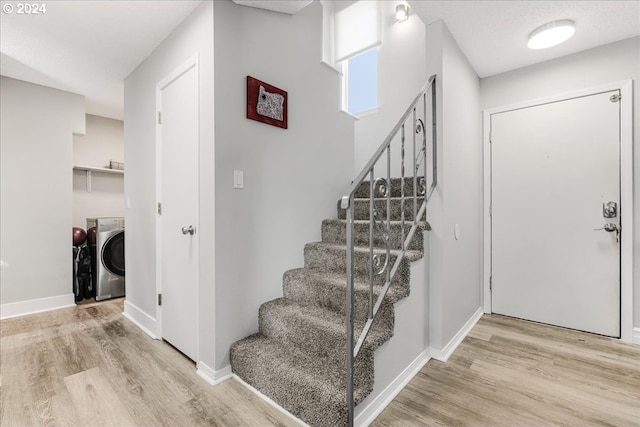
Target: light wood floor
pixel 509 372
pixel 89 366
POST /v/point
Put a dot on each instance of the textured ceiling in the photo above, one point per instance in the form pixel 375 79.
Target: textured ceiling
pixel 493 34
pixel 87 47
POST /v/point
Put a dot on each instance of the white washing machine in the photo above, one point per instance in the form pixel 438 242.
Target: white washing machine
pixel 109 266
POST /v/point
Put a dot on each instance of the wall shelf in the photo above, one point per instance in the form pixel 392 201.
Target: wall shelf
pixel 90 169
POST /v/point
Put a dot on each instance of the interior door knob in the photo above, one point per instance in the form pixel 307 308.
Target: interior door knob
pixel 188 230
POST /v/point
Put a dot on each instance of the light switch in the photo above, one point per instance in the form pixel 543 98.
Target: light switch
pixel 238 179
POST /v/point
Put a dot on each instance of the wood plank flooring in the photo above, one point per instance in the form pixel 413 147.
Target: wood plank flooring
pixel 89 366
pixel 510 372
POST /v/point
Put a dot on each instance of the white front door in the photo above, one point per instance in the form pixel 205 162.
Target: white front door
pixel 178 140
pixel 553 166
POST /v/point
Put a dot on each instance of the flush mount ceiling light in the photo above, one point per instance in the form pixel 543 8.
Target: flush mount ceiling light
pixel 402 12
pixel 551 34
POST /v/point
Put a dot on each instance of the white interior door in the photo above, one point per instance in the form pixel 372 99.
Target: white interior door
pixel 178 195
pixel 552 168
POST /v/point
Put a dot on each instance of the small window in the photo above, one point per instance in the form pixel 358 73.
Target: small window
pixel 361 82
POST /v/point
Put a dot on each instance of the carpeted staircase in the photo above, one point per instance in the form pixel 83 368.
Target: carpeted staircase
pixel 298 356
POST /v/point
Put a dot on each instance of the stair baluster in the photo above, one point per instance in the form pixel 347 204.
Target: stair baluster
pixel 377 223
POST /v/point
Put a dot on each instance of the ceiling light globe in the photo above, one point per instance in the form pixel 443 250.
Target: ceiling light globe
pixel 551 34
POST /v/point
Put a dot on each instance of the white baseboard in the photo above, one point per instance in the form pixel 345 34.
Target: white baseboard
pixel 141 319
pixel 22 308
pixel 212 376
pixel 270 402
pixel 636 335
pixel 375 408
pixel 444 354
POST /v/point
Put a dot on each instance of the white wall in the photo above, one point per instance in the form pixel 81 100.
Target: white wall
pixel 606 64
pixel 455 265
pixel 195 34
pixel 35 190
pixel 293 177
pixel 102 142
pixel 401 74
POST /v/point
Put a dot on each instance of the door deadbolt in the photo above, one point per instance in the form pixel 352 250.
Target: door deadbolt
pixel 188 230
pixel 609 210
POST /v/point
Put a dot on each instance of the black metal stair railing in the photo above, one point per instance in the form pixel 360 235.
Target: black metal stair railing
pixel 414 121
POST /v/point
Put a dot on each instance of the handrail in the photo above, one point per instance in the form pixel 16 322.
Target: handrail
pixel 376 156
pixel 383 226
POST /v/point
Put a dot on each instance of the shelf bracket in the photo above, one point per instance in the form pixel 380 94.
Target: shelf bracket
pixel 88 181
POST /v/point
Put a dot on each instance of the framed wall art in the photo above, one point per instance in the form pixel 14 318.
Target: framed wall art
pixel 266 103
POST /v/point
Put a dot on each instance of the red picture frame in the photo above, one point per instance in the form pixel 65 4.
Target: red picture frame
pixel 266 103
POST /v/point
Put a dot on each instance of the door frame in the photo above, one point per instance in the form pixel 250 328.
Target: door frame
pixel 626 192
pixel 192 62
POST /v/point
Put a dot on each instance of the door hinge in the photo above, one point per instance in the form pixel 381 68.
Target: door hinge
pixel 491 210
pixel 490 136
pixel 490 283
pixel 159 208
pixel 615 98
pixel 159 117
pixel 159 299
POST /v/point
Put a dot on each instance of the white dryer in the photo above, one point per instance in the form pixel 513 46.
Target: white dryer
pixel 110 271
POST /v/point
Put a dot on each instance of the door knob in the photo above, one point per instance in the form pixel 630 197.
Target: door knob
pixel 188 230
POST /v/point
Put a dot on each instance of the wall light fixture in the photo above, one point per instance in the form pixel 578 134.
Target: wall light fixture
pixel 402 12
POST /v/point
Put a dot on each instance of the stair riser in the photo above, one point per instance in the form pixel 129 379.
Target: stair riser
pixel 361 209
pixel 363 190
pixel 296 397
pixel 336 232
pixel 332 297
pixel 292 331
pixel 319 258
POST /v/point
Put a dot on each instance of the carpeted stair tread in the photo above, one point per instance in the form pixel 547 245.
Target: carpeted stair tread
pixel 328 289
pixel 335 231
pixel 320 279
pixel 316 329
pixel 311 388
pixel 361 208
pixel 425 225
pixel 332 257
pixel 410 255
pixel 363 189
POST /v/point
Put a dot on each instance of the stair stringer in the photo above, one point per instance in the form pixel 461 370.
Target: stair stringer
pixel 401 357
